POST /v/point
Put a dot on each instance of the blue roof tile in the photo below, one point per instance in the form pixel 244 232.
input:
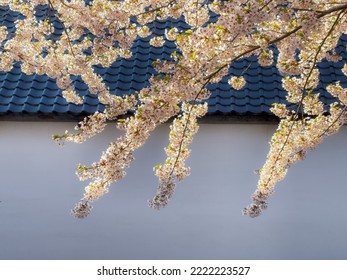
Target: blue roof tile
pixel 21 93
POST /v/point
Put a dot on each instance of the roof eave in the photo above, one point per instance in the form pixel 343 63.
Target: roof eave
pixel 212 118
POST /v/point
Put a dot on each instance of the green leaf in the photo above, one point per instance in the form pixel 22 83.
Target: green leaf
pixel 158 166
pixel 193 57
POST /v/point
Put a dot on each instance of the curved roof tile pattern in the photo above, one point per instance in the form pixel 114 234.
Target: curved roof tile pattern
pixel 34 94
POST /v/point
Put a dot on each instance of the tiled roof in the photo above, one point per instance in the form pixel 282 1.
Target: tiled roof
pixel 34 94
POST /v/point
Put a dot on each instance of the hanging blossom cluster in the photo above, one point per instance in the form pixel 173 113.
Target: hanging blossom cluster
pixel 183 129
pixel 98 32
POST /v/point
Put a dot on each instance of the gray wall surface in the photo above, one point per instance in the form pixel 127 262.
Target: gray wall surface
pixel 306 218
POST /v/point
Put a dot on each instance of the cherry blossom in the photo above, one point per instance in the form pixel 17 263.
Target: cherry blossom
pixel 295 36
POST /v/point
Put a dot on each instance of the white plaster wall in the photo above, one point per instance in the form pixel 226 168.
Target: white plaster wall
pixel 306 219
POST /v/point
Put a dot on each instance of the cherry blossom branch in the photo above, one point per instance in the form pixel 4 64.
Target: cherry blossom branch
pixel 186 129
pixel 276 173
pixel 305 85
pixel 274 41
pixel 156 9
pixel 64 27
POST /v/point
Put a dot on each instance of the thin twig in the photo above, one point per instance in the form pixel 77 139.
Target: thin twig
pixel 64 27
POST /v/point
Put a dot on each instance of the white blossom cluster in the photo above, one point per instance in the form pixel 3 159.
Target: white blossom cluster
pixel 304 32
pixel 237 82
pixel 289 144
pixel 82 209
pixel 181 135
